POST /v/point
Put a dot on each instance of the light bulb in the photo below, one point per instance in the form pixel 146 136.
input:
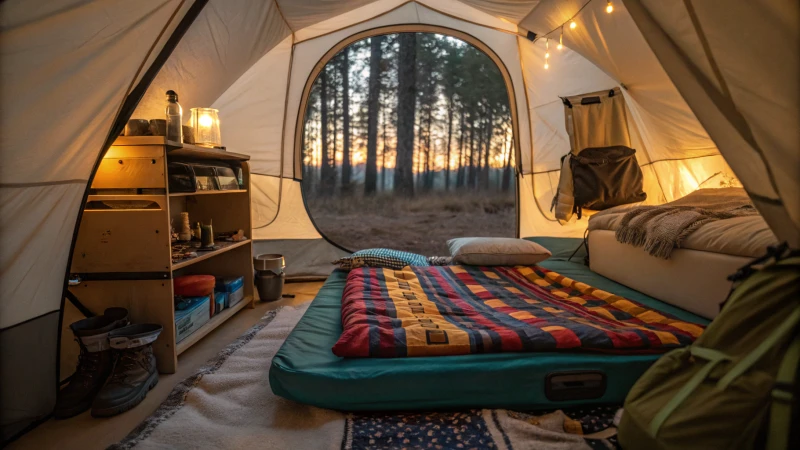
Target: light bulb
pixel 546 55
pixel 572 24
pixel 546 66
pixel 609 7
pixel 205 121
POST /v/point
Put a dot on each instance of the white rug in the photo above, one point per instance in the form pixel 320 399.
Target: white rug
pixel 228 404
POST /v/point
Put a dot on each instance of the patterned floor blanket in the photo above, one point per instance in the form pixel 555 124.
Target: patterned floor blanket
pixel 457 310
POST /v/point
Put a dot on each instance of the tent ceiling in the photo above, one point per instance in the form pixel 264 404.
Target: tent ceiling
pixel 300 14
pixel 510 10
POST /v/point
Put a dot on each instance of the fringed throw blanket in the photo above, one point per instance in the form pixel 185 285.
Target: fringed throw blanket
pixel 457 310
pixel 660 229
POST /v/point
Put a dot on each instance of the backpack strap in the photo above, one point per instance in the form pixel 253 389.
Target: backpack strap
pixel 780 415
pixel 713 357
pixel 745 363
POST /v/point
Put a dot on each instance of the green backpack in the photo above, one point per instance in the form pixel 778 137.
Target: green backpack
pixel 735 387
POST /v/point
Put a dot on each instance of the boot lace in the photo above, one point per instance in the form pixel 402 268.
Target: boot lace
pixel 125 363
pixel 88 363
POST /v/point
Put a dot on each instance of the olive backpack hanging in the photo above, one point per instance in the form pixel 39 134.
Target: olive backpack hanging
pixel 604 177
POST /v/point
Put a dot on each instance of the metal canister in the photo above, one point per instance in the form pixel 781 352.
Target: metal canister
pixel 269 276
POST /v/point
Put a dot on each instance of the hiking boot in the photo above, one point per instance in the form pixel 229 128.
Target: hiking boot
pixel 134 372
pixel 94 363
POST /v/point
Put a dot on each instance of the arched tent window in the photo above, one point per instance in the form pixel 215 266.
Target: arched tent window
pixel 407 142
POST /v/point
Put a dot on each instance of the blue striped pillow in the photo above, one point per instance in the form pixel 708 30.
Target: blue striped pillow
pixel 381 258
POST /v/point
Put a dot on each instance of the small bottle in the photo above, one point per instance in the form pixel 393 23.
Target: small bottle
pixel 174 118
pixel 198 231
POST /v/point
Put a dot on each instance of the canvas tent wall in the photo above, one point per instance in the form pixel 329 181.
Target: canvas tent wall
pixel 704 86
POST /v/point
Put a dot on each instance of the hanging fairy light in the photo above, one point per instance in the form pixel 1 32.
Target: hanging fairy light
pixel 572 24
pixel 546 53
pixel 609 7
pixel 561 40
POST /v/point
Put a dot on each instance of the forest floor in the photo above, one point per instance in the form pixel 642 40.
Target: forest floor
pixel 422 224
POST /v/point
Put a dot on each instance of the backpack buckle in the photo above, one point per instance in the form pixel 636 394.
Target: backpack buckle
pixel 783 392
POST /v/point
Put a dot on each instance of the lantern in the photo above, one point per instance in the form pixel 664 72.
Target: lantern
pixel 205 122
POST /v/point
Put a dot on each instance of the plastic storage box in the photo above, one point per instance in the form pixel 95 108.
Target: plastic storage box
pixel 189 320
pixel 220 299
pixel 234 287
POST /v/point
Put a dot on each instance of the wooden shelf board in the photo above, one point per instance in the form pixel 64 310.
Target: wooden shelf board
pixel 213 323
pixel 187 194
pixel 177 149
pixel 202 256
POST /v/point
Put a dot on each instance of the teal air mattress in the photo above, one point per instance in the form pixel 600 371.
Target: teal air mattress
pixel 305 370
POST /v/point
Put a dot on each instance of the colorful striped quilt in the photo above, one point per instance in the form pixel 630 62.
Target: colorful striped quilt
pixel 457 310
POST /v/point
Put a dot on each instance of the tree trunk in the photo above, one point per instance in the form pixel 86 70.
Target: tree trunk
pixel 406 105
pixel 449 139
pixel 489 133
pixel 462 132
pixel 471 159
pixel 507 168
pixel 334 127
pixel 371 174
pixel 384 119
pixel 419 152
pixel 346 160
pixel 325 166
pixel 428 182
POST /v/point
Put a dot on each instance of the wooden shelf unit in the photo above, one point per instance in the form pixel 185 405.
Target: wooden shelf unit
pixel 123 250
pixel 188 194
pixel 203 255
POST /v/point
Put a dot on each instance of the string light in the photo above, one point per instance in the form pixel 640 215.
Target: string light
pixel 572 24
pixel 561 40
pixel 609 7
pixel 546 53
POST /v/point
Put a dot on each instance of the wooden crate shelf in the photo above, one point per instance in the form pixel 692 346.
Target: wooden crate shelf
pixel 203 255
pixel 189 194
pixel 136 242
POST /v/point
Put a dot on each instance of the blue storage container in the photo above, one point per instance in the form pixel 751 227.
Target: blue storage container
pixel 189 320
pixel 234 287
pixel 220 299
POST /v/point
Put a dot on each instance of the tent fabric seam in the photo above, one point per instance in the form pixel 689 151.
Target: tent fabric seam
pixel 698 29
pixel 530 137
pixel 30 320
pixel 283 135
pixel 43 183
pixel 280 12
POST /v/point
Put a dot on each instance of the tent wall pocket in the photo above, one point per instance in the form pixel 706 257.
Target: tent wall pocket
pixel 597 119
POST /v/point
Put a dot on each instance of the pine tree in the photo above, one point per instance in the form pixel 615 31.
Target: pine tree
pixel 324 184
pixel 344 66
pixel 371 174
pixel 406 105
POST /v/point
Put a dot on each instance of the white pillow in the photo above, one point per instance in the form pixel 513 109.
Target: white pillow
pixel 482 251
